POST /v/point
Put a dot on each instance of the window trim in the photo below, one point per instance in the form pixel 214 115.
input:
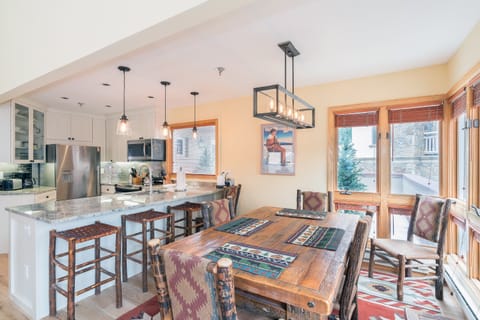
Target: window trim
pixel 170 146
pixel 382 198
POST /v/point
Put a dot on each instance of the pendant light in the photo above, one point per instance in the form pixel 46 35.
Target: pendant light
pixel 194 130
pixel 275 103
pixel 166 129
pixel 123 127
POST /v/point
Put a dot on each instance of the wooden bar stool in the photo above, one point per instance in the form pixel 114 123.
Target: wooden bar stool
pixel 144 218
pixel 75 236
pixel 190 225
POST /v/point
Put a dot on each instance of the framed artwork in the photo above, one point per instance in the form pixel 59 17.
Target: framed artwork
pixel 278 149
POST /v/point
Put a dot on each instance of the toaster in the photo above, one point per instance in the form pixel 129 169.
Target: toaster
pixel 10 184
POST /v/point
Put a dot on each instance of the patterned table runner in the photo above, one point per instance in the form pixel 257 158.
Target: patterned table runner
pixel 244 226
pixel 269 263
pixel 306 214
pixel 317 237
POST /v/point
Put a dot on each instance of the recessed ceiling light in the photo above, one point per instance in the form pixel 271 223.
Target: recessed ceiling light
pixel 108 106
pixel 64 98
pixel 106 84
pixel 150 97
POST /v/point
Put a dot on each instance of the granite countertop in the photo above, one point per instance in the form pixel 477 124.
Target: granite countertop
pixel 34 190
pixel 68 210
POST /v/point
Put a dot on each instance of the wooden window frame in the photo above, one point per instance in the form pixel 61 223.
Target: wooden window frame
pixel 170 146
pixel 382 199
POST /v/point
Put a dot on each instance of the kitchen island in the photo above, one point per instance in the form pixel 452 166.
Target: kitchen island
pixel 29 236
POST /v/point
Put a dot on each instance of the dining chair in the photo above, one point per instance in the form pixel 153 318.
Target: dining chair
pixel 234 193
pixel 192 287
pixel 425 241
pixel 314 201
pixel 217 212
pixel 346 304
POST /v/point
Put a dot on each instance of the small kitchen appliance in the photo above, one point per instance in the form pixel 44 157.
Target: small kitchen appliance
pixel 10 184
pixel 146 150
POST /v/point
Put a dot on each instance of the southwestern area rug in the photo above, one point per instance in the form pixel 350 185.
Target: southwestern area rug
pixel 376 300
pixel 148 310
pixel 377 297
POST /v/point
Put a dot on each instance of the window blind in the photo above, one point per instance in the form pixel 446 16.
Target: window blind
pixel 476 94
pixel 416 114
pixel 459 104
pixel 400 211
pixel 357 119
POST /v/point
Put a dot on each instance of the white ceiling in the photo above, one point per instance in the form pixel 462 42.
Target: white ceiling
pixel 337 40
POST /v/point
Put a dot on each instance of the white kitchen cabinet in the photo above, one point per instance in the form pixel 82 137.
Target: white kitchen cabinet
pixel 107 189
pixel 69 128
pixel 45 196
pixel 11 200
pixel 98 138
pixel 143 126
pixel 22 133
pixel 116 146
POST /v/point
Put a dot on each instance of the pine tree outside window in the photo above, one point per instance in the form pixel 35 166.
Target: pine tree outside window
pixel 357 155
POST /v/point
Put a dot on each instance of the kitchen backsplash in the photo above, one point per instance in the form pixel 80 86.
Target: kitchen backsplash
pixel 7 169
pixel 118 172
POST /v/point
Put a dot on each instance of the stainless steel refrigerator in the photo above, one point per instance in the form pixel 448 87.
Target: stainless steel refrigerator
pixel 75 170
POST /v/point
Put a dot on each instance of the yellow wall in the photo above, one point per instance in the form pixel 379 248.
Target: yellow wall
pixel 240 140
pixel 466 57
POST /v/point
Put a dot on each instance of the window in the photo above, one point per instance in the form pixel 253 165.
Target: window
pixel 461 242
pixel 462 157
pixel 196 156
pixel 383 154
pixel 459 105
pixel 357 151
pixel 399 222
pixel 415 136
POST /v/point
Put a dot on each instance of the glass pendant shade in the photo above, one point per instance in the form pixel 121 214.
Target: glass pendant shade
pixel 123 126
pixel 166 129
pixel 194 130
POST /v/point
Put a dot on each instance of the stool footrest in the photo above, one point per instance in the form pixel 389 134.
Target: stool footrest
pixel 80 266
pixel 134 259
pixel 93 286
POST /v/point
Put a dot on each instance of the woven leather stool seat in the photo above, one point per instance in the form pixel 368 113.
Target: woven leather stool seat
pixel 190 225
pixel 147 220
pixel 147 216
pixel 93 232
pixel 86 233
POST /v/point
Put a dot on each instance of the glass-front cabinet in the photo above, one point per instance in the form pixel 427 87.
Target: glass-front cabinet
pixel 29 126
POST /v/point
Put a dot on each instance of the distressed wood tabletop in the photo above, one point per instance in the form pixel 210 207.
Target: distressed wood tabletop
pixel 309 284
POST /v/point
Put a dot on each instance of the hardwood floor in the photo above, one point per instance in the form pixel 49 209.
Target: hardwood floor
pixel 102 307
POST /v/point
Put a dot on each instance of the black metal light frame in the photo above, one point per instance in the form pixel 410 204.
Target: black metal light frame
pixel 301 114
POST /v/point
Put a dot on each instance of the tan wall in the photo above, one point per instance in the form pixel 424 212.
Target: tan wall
pixel 466 57
pixel 240 140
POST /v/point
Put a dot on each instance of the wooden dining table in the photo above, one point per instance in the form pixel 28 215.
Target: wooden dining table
pixel 308 286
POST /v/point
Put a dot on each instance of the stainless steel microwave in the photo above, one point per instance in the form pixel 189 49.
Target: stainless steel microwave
pixel 146 150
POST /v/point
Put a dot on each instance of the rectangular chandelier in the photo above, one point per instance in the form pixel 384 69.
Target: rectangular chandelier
pixel 276 104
